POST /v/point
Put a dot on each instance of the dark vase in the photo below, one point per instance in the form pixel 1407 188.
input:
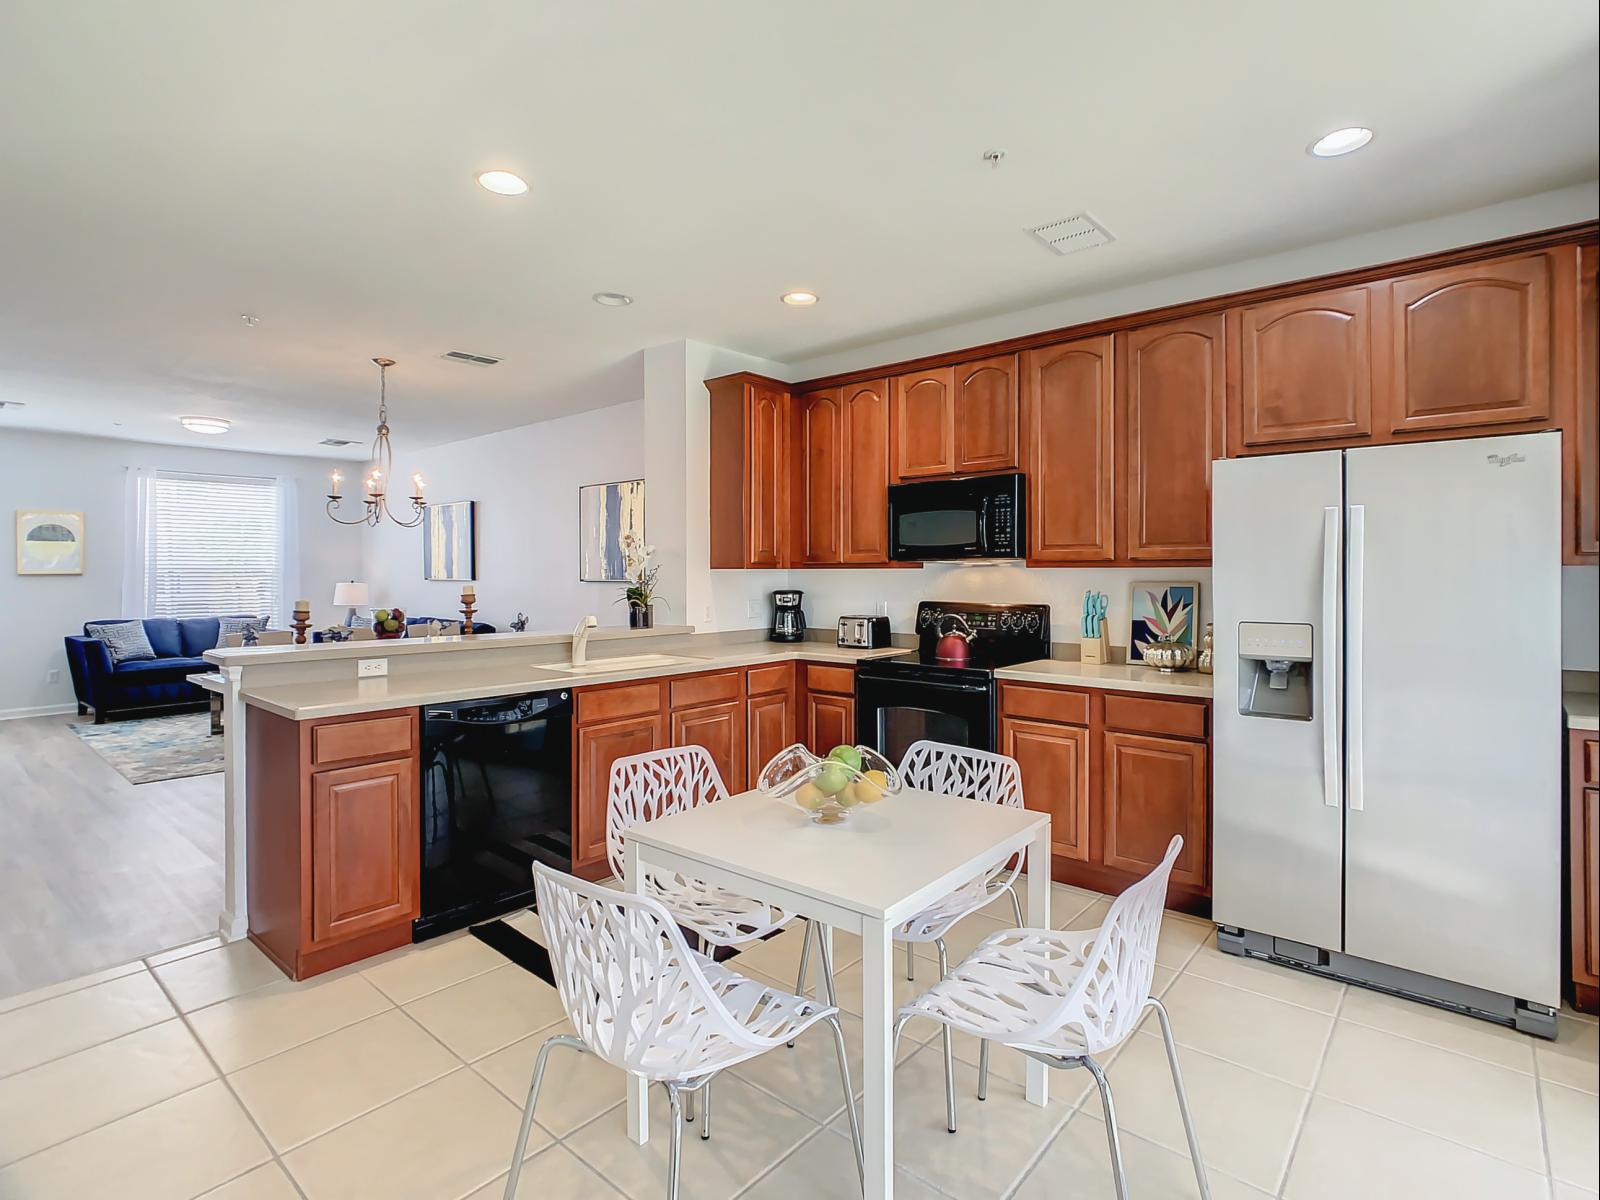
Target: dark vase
pixel 641 616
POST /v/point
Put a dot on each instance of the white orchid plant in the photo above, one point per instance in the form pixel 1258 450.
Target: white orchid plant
pixel 641 572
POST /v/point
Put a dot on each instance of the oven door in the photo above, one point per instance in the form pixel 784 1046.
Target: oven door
pixel 891 713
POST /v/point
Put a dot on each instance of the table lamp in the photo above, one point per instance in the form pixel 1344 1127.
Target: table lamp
pixel 351 595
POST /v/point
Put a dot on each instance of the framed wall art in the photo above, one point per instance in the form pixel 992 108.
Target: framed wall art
pixel 607 511
pixel 450 541
pixel 1161 612
pixel 49 542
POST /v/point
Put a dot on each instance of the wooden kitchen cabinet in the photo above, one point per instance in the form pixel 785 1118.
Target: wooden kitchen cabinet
pixel 1058 754
pixel 1170 380
pixel 750 439
pixel 828 707
pixel 1068 423
pixel 1156 787
pixel 1583 858
pixel 923 413
pixel 957 420
pixel 720 728
pixel 841 476
pixel 598 746
pixel 820 478
pixel 1471 345
pixel 1305 371
pixel 1581 440
pixel 332 834
pixel 770 723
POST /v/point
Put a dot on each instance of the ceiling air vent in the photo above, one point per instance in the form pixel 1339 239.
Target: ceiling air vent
pixel 337 442
pixel 1071 234
pixel 477 360
pixel 13 404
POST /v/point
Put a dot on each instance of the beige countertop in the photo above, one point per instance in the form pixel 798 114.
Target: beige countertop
pixel 254 656
pixel 1583 710
pixel 1117 677
pixel 340 697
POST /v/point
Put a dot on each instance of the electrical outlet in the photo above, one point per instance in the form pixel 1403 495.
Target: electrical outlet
pixel 752 607
pixel 371 668
pixel 53 677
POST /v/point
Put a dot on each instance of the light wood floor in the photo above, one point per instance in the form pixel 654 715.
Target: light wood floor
pixel 94 871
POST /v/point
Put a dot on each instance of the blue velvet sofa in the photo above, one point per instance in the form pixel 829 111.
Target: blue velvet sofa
pixel 161 682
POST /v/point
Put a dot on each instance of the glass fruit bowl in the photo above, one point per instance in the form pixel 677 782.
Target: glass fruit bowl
pixel 828 788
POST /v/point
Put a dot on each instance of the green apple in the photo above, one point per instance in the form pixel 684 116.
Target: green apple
pixel 848 755
pixel 832 778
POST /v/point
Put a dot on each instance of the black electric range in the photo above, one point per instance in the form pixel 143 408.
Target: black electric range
pixel 908 697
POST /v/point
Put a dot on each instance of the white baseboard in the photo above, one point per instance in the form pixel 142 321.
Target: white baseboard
pixel 44 710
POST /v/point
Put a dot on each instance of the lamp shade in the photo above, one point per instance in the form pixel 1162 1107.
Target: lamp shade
pixel 351 595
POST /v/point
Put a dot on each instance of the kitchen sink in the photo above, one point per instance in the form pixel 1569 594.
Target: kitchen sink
pixel 626 662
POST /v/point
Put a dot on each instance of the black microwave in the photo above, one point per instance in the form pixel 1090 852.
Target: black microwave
pixel 981 517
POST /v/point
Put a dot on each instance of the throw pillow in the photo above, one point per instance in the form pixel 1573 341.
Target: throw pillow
pixel 227 625
pixel 126 640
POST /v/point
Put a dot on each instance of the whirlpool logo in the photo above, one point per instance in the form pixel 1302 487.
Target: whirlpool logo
pixel 1505 460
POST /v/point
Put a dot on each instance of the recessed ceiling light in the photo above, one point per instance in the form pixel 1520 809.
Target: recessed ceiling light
pixel 799 299
pixel 1340 141
pixel 205 424
pixel 612 299
pixel 250 319
pixel 503 183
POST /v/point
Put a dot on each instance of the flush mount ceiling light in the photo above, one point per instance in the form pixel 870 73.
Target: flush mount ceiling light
pixel 1340 141
pixel 211 425
pixel 503 183
pixel 612 299
pixel 799 299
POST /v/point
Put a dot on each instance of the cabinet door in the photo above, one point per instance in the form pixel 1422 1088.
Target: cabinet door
pixel 1170 379
pixel 1471 345
pixel 830 722
pixel 923 412
pixel 598 747
pixel 1305 369
pixel 765 466
pixel 866 473
pixel 820 479
pixel 720 729
pixel 1055 779
pixel 770 727
pixel 365 848
pixel 1582 487
pixel 1069 417
pixel 1585 909
pixel 986 415
pixel 1155 787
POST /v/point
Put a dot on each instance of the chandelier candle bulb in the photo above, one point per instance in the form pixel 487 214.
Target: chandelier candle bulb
pixel 337 480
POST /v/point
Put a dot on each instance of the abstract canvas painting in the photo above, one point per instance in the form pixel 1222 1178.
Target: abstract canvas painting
pixel 606 511
pixel 449 541
pixel 49 543
pixel 1161 612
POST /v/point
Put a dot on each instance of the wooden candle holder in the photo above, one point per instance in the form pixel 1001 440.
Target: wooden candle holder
pixel 466 615
pixel 300 624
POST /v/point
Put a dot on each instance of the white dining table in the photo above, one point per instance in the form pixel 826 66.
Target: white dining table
pixel 867 875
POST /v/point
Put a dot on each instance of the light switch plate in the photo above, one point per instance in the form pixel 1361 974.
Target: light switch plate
pixel 370 668
pixel 752 608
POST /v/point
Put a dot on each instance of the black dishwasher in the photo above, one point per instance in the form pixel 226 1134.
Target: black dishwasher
pixel 496 797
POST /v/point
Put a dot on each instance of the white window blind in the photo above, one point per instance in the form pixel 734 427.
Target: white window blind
pixel 214 545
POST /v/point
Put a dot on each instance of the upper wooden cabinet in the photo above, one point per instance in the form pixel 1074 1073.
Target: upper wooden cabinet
pixel 1582 470
pixel 1471 345
pixel 959 420
pixel 1068 422
pixel 749 471
pixel 1170 384
pixel 1305 370
pixel 841 476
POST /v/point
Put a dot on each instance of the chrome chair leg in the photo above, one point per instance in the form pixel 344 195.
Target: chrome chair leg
pixel 1183 1098
pixel 805 961
pixel 949 1053
pixel 533 1099
pixel 676 1153
pixel 825 955
pixel 850 1093
pixel 705 1111
pixel 1104 1084
pixel 688 1107
pixel 1016 905
pixel 911 962
pixel 983 1069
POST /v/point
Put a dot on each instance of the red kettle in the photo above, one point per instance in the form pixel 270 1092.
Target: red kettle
pixel 955 646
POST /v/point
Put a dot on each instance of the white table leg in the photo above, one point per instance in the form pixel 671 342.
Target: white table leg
pixel 638 1090
pixel 877 1127
pixel 1038 1085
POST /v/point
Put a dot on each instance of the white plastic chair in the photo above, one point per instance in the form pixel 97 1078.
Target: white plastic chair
pixel 657 784
pixel 1063 996
pixel 641 1000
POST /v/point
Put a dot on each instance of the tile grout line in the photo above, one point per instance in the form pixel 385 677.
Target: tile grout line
pixel 1311 1093
pixel 134 965
pixel 91 1045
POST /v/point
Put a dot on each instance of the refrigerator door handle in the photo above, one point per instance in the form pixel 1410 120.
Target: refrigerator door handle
pixel 1330 658
pixel 1356 618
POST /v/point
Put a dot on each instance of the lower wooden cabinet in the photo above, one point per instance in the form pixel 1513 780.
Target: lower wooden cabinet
pixel 331 813
pixel 769 717
pixel 1583 857
pixel 720 728
pixel 598 746
pixel 830 721
pixel 1119 774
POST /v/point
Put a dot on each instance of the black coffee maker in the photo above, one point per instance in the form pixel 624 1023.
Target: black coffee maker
pixel 788 622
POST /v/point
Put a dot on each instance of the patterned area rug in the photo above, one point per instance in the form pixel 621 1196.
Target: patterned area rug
pixel 151 749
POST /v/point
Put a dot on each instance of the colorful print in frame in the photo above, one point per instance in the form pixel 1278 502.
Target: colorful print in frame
pixel 49 542
pixel 1161 612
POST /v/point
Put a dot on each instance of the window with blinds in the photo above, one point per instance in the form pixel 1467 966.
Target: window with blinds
pixel 214 545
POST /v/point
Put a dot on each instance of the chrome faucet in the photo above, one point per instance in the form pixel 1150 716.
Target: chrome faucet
pixel 580 640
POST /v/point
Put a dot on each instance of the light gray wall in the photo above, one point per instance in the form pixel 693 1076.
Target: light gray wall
pixel 88 475
pixel 1580 618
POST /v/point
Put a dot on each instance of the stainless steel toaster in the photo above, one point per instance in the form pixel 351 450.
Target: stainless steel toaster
pixel 864 633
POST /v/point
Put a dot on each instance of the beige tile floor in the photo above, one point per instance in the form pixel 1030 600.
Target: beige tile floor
pixel 201 1072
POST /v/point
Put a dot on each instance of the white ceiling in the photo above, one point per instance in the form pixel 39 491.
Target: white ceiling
pixel 165 167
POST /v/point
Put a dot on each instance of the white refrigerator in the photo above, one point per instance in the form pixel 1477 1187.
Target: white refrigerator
pixel 1387 780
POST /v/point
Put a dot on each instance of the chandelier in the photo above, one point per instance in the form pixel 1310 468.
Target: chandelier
pixel 378 475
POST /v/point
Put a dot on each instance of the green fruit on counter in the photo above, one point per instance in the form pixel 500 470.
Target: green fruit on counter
pixel 390 626
pixel 848 755
pixel 831 780
pixel 381 615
